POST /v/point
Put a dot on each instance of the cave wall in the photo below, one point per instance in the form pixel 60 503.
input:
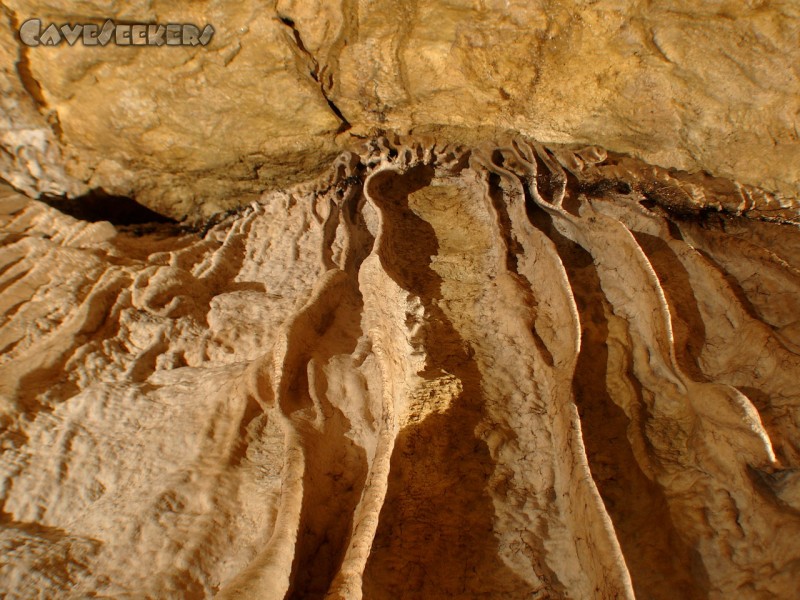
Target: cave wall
pixel 284 86
pixel 543 344
pixel 500 372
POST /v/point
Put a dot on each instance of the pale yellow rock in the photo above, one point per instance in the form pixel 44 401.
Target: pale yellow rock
pixel 458 364
pixel 183 128
pixel 709 86
pixel 510 371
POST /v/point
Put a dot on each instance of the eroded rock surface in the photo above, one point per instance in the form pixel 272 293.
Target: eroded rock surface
pixel 284 86
pixel 505 372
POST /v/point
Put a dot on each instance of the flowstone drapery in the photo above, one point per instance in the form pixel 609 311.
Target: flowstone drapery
pixel 507 371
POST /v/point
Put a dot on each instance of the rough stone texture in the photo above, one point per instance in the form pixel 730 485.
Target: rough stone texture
pixel 505 372
pixel 181 129
pixel 475 367
pixel 710 86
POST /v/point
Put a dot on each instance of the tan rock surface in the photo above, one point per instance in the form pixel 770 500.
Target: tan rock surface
pixel 709 86
pixel 504 372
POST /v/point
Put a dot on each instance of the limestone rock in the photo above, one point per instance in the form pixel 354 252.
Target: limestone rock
pixel 509 371
pixel 701 87
pixel 184 129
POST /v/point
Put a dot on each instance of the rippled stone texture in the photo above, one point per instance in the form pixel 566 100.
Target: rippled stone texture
pixel 284 86
pixel 511 371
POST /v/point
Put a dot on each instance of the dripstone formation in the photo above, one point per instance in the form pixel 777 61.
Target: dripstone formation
pixel 502 371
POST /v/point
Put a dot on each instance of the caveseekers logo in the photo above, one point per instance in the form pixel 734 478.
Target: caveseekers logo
pixel 123 34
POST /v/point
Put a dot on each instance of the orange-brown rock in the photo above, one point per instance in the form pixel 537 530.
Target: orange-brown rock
pixel 284 86
pixel 508 371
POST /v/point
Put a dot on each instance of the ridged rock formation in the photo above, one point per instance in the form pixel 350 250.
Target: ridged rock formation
pixel 436 372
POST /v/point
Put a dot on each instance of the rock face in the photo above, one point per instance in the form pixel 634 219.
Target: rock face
pixel 506 372
pixel 284 86
pixel 456 364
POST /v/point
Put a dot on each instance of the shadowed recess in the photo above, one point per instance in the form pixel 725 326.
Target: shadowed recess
pixel 99 205
pixel 658 559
